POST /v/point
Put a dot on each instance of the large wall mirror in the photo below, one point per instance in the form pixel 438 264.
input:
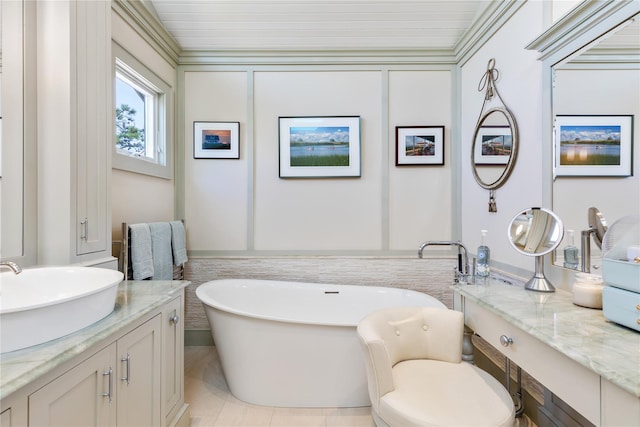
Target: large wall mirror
pixel 18 130
pixel 601 79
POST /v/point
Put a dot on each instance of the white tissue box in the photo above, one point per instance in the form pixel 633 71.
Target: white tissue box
pixel 621 274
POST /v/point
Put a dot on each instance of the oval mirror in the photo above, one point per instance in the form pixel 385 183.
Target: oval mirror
pixel 494 149
pixel 536 232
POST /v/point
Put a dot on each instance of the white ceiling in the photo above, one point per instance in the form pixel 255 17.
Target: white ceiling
pixel 308 25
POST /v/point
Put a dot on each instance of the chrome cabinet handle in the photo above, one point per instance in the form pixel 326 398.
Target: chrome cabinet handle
pixel 109 393
pixel 84 232
pixel 127 360
pixel 505 341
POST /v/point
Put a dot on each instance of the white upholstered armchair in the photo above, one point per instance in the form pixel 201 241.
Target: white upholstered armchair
pixel 416 376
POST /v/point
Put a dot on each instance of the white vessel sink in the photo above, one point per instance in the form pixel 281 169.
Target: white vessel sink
pixel 42 304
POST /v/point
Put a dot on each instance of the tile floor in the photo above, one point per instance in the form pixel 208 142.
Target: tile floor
pixel 212 405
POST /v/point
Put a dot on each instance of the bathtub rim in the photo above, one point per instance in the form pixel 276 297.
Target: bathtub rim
pixel 210 301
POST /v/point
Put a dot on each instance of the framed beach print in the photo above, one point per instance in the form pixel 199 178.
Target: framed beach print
pixel 319 147
pixel 593 145
pixel 216 140
pixel 493 145
pixel 419 145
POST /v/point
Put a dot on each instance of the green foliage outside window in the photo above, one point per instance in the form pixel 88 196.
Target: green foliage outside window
pixel 129 137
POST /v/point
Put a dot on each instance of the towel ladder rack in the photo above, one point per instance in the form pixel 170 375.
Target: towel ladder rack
pixel 124 259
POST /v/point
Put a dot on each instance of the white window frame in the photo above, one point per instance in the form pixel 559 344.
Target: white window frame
pixel 158 160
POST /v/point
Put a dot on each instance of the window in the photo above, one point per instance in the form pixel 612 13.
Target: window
pixel 142 112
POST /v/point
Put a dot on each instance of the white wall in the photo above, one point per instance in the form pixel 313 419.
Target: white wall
pixel 520 85
pixel 243 207
pixel 136 197
pixel 216 197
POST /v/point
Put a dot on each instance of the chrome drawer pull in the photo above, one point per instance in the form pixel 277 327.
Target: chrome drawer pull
pixel 505 340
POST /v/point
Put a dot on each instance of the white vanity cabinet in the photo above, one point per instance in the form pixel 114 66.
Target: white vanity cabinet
pixel 573 383
pixel 138 376
pixel 172 359
pixel 588 362
pixel 132 377
pixel 79 396
pixel 119 385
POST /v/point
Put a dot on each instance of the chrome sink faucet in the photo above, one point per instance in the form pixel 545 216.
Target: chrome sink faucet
pixel 463 258
pixel 11 265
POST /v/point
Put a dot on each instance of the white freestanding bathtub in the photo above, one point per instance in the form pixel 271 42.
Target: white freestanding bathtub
pixel 294 344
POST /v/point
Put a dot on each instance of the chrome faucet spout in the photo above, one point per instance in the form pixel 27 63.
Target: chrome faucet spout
pixel 463 265
pixel 421 249
pixel 11 265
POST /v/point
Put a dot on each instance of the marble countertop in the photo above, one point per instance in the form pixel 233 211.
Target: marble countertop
pixel 135 299
pixel 582 334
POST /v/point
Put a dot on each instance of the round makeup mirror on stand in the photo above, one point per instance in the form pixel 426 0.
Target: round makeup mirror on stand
pixel 536 232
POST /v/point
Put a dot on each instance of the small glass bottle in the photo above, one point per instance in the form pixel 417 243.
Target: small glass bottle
pixel 571 253
pixel 483 257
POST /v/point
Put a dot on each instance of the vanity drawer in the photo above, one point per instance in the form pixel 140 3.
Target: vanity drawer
pixel 572 382
pixel 621 306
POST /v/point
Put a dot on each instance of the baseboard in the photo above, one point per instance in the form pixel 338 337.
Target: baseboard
pixel 182 418
pixel 197 337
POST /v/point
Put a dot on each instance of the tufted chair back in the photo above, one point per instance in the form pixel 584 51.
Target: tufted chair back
pixel 393 335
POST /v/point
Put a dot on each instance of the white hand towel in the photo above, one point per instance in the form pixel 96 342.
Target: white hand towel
pixel 141 254
pixel 161 248
pixel 179 243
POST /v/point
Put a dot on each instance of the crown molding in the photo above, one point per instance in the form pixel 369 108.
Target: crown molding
pixel 585 23
pixel 493 17
pixel 146 24
pixel 319 57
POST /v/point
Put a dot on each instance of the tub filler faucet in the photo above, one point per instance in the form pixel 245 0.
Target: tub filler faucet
pixel 463 259
pixel 11 265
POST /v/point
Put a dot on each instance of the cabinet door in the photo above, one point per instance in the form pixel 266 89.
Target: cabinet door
pixel 83 396
pixel 5 418
pixel 172 357
pixel 93 125
pixel 619 407
pixel 139 365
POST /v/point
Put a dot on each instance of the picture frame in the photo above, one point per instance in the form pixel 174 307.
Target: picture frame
pixel 216 140
pixel 593 145
pixel 419 145
pixel 493 146
pixel 319 146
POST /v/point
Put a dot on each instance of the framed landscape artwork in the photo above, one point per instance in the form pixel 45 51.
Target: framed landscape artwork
pixel 593 145
pixel 319 147
pixel 216 140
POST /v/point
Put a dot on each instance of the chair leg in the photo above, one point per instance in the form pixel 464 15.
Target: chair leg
pixel 467 345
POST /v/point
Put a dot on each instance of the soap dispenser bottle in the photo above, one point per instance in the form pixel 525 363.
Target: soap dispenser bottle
pixel 571 254
pixel 483 257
